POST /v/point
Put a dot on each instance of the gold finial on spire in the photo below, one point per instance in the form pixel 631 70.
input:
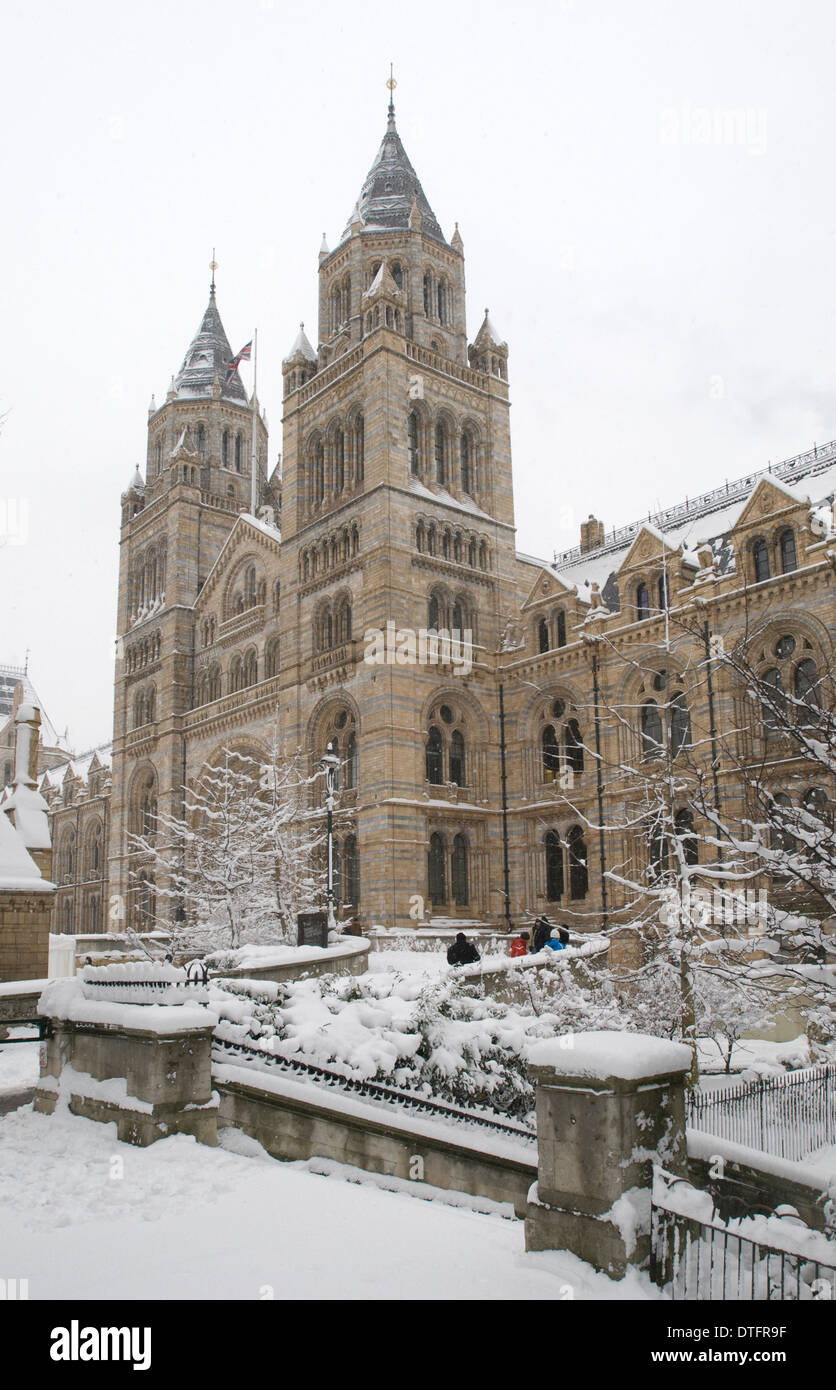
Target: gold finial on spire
pixel 213 265
pixel 391 84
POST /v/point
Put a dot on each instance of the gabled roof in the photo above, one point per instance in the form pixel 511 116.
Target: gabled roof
pixel 246 527
pixel 390 189
pixel 547 586
pixel 208 357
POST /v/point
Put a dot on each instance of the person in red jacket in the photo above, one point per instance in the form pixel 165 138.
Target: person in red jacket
pixel 519 946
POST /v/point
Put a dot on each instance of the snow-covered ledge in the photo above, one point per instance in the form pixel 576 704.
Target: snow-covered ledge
pixel 347 956
pixel 145 1066
pixel 609 1106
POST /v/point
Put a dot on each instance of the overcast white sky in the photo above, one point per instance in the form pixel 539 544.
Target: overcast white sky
pixel 645 193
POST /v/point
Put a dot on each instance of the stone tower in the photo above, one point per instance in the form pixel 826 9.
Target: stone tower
pixel 197 479
pixel 398 516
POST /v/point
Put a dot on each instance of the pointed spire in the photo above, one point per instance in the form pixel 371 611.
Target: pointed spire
pixel 136 484
pixel 456 240
pixel 415 218
pixel 301 345
pixel 324 249
pixel 152 405
pixel 391 84
pixel 488 334
pixel 208 357
pixel 391 187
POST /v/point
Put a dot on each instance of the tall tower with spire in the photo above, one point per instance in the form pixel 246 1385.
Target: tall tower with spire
pixel 174 524
pixel 398 518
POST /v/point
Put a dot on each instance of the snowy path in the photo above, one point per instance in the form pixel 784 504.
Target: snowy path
pixel 85 1216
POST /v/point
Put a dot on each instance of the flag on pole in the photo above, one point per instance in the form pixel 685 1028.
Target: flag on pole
pixel 243 356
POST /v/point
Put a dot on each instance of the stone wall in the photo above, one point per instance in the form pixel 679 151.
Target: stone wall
pixel 292 1120
pixel 24 934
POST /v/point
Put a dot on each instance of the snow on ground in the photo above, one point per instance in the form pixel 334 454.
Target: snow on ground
pixel 19 1065
pixel 87 1217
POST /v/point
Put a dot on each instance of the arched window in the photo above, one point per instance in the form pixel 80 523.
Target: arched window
pixel 680 724
pixel 780 837
pixel 430 539
pixel 351 872
pixel 657 851
pixel 574 746
pixel 201 441
pixel 427 295
pixel 457 765
pixel 350 770
pixel 789 561
pixel 483 555
pixel 419 536
pixel 339 461
pixel 808 712
pixel 684 827
pixel 551 754
pixel 434 757
pixel 578 867
pixel 459 871
pixel 344 622
pixel 458 617
pixel 271 658
pixel 543 638
pixel 464 460
pixel 359 448
pixel 412 441
pixel 642 602
pixel 238 452
pixel 760 558
pixel 441 299
pixel 554 866
pixel 651 727
pixel 435 870
pixel 225 449
pixel 440 475
pixel 433 615
pixel 561 627
pixel 774 706
pixel 319 471
pixel 249 670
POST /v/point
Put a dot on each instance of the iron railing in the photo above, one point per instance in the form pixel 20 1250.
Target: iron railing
pixel 693 1259
pixel 258 1058
pixel 789 1115
pixel 801 465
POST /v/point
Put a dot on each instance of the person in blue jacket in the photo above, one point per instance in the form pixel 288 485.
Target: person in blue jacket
pixel 554 942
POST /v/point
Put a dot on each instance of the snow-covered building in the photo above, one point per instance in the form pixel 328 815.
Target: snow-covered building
pixel 393 512
pixel 16 688
pixel 77 793
pixel 26 891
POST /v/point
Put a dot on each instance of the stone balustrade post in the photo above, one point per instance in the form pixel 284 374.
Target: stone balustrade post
pixel 609 1106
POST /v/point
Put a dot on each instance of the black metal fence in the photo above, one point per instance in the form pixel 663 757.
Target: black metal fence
pixel 692 1259
pixel 789 1115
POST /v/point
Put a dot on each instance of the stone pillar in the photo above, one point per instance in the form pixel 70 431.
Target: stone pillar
pixel 609 1106
pixel 150 1072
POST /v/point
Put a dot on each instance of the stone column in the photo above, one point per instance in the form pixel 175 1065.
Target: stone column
pixel 609 1106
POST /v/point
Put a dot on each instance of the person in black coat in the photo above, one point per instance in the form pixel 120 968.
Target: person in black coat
pixel 542 932
pixel 462 951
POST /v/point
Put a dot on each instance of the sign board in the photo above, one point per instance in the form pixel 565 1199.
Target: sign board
pixel 312 928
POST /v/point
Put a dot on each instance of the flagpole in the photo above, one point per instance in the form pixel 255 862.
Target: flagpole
pixel 254 459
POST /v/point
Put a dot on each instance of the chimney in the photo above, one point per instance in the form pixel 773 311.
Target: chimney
pixel 592 534
pixel 27 731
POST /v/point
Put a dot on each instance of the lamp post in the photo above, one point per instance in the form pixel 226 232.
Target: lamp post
pixel 329 763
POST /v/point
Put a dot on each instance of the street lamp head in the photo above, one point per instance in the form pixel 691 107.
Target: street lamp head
pixel 329 761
